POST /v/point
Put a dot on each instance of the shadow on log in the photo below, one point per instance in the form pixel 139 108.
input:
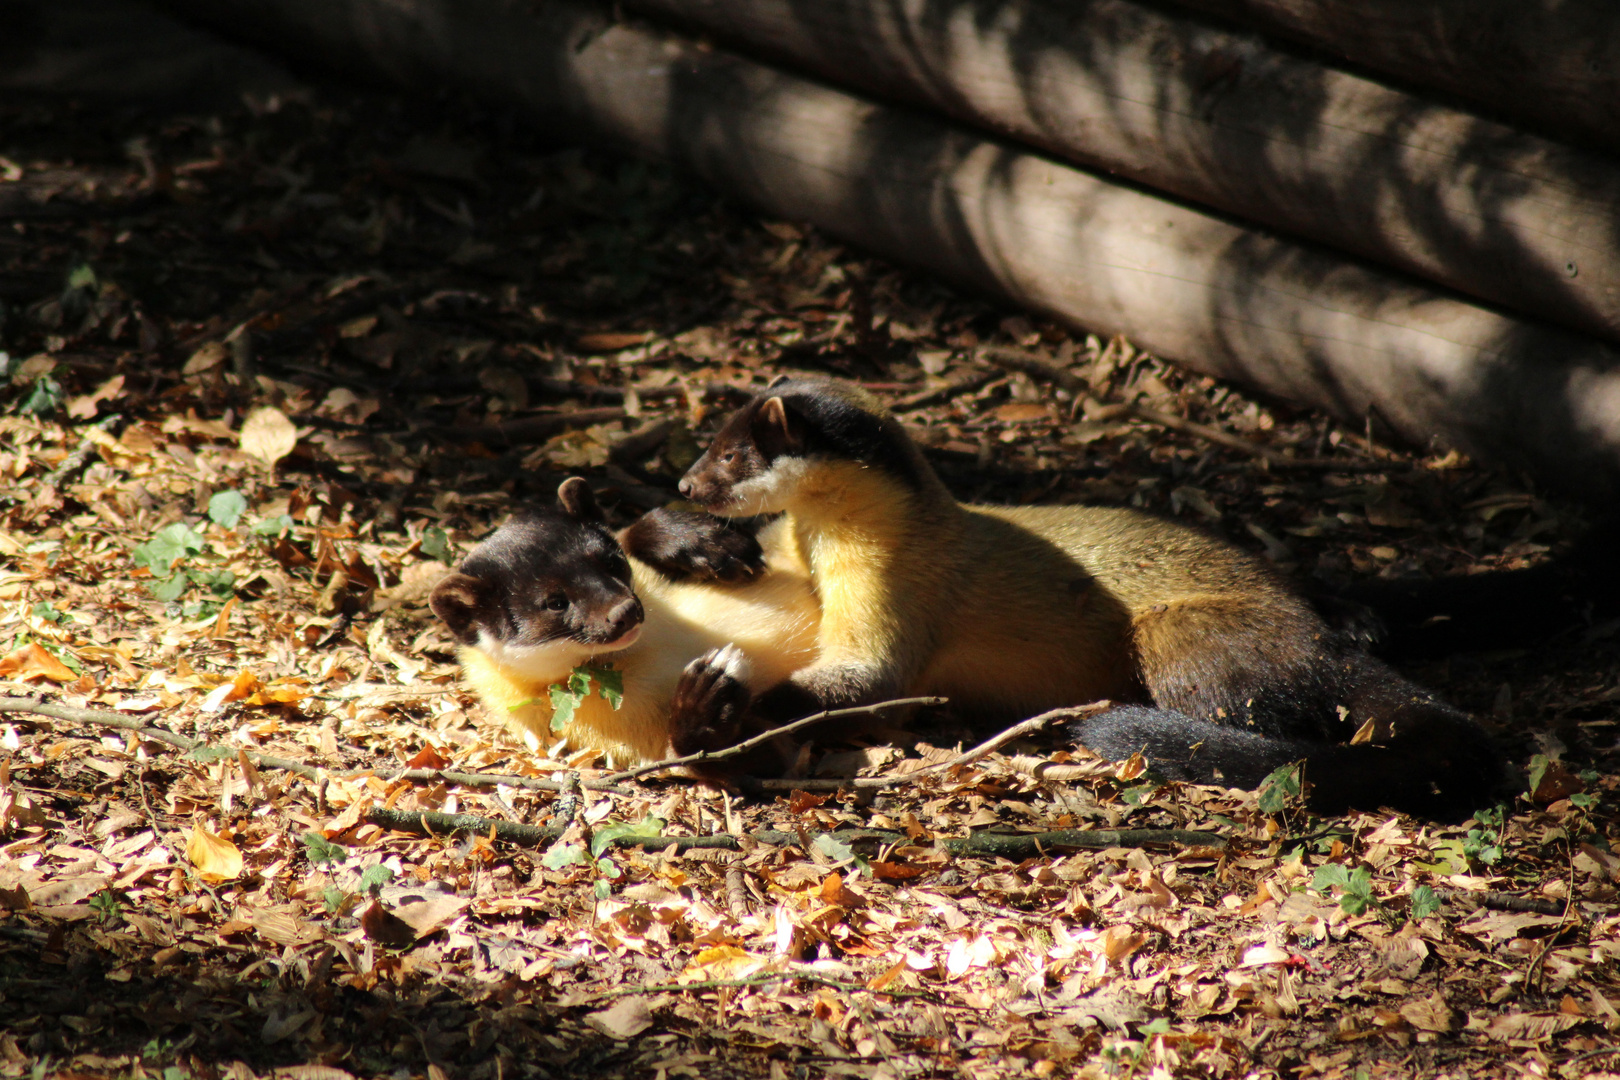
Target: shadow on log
pixel 1226 120
pixel 1216 296
pixel 1551 66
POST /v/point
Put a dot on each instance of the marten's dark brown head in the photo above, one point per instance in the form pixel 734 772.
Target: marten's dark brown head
pixel 546 591
pixel 766 449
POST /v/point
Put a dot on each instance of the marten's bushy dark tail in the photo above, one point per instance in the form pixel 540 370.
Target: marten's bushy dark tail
pixel 1444 769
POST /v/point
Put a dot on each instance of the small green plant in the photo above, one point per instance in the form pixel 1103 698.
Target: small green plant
pixel 107 905
pixel 1425 902
pixel 44 610
pixel 570 695
pixel 1281 789
pixel 321 850
pixel 226 508
pixel 1482 846
pixel 171 556
pixel 43 397
pixel 1355 886
pixel 606 868
pixel 436 544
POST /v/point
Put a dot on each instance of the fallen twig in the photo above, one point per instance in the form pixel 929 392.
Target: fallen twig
pixel 1017 731
pixel 81 454
pixel 766 736
pixel 270 761
pixel 529 429
pixel 1273 458
pixel 759 979
pixel 1041 368
pixel 1006 845
pixel 961 384
pixel 1502 901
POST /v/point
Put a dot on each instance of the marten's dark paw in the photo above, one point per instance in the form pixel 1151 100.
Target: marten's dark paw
pixel 707 709
pixel 682 544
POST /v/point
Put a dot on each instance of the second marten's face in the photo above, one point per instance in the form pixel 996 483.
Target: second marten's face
pixel 753 465
pixel 544 593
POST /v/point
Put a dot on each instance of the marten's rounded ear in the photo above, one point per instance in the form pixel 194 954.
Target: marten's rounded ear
pixel 457 600
pixel 575 499
pixel 778 381
pixel 774 419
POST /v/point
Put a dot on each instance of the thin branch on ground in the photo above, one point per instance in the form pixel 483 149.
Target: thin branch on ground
pixel 766 736
pixel 985 842
pixel 270 761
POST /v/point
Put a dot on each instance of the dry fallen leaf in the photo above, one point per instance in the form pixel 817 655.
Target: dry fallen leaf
pixel 216 858
pixel 625 1020
pixel 34 661
pixel 386 928
pixel 268 435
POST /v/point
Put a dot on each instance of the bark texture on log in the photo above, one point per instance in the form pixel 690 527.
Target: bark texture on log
pixel 1224 119
pixel 1298 322
pixel 1553 65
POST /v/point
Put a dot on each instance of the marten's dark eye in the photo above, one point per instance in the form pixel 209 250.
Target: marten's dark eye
pixel 557 602
pixel 728 457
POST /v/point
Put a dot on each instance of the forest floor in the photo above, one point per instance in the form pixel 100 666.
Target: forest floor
pixel 271 370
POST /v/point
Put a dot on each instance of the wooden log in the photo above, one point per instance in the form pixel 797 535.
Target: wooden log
pixel 1227 121
pixel 1552 67
pixel 1221 298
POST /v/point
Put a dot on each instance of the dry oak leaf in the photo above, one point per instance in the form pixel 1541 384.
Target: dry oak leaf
pixel 216 858
pixel 268 435
pixel 1529 1027
pixel 34 661
pixel 1430 1014
pixel 625 1020
pixel 386 928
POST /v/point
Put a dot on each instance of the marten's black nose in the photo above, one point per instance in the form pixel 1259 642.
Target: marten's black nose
pixel 617 622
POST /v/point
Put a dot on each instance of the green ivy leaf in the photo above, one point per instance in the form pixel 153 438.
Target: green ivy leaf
pixel 562 855
pixel 222 583
pixel 1425 902
pixel 170 588
pixel 609 683
pixel 832 847
pixel 43 397
pixel 226 508
pixel 376 876
pixel 321 850
pixel 44 610
pixel 1328 875
pixel 563 704
pixel 1279 789
pixel 436 544
pixel 274 526
pixel 208 755
pixel 1538 769
pixel 168 546
pixel 605 835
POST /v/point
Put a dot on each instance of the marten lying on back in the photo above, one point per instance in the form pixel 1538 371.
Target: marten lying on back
pixel 552 589
pixel 1009 611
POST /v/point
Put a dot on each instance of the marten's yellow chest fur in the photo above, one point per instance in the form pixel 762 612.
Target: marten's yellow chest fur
pixel 773 621
pixel 552 590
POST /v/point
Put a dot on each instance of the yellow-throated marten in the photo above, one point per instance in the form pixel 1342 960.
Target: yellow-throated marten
pixel 552 588
pixel 1012 610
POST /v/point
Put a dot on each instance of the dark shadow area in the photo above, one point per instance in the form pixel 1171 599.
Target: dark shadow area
pixel 455 313
pixel 1226 120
